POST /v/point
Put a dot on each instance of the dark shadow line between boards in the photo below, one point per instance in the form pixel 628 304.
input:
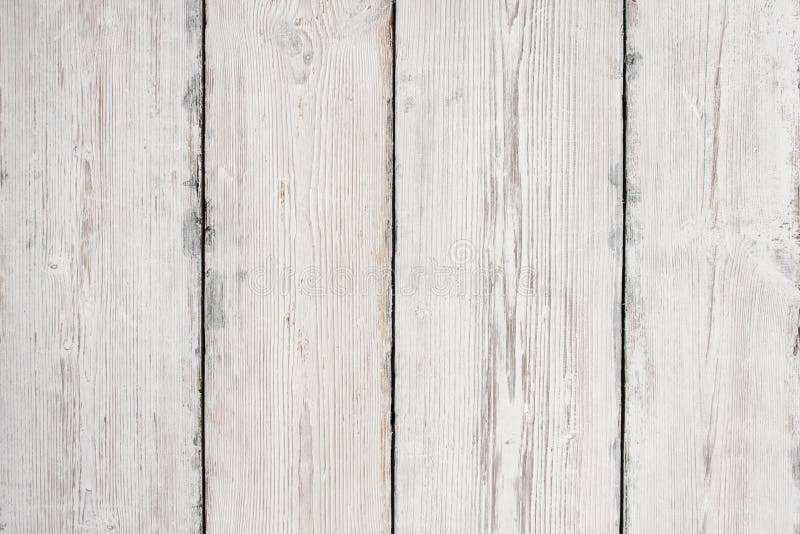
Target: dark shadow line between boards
pixel 623 291
pixel 393 292
pixel 203 231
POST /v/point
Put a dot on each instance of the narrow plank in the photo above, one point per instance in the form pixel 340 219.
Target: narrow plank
pixel 509 265
pixel 99 266
pixel 713 375
pixel 299 193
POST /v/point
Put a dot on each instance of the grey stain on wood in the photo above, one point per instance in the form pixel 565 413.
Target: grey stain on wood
pixel 214 312
pixel 191 231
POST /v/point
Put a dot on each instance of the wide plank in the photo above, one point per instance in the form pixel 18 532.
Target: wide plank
pixel 509 265
pixel 298 310
pixel 713 369
pixel 99 266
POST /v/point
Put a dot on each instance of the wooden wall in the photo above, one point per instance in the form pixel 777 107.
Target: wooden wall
pixel 375 266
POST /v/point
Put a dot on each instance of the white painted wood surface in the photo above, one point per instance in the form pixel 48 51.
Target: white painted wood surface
pixel 508 191
pixel 299 214
pixel 509 176
pixel 99 267
pixel 713 376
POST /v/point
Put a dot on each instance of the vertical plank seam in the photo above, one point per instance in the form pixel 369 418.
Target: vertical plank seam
pixel 203 231
pixel 623 293
pixel 393 274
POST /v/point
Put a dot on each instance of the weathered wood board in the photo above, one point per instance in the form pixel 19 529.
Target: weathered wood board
pixel 713 375
pixel 298 308
pixel 99 266
pixel 509 266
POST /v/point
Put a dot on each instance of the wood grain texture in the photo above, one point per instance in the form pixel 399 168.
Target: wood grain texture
pixel 99 266
pixel 713 375
pixel 509 265
pixel 299 214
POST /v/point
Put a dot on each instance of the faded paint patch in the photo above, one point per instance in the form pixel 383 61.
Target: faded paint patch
pixel 214 311
pixel 193 15
pixel 634 193
pixel 193 93
pixel 615 174
pixel 632 63
pixel 794 459
pixel 190 234
pixel 633 14
pixel 305 468
pixel 209 232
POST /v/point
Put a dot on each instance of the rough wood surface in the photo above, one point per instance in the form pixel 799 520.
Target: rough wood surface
pixel 99 267
pixel 713 375
pixel 509 265
pixel 298 256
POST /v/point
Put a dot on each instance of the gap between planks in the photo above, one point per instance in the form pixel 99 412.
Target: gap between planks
pixel 203 230
pixel 624 264
pixel 393 275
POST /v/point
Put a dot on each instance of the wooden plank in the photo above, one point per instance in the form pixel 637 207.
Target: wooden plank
pixel 99 266
pixel 299 193
pixel 713 375
pixel 509 265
